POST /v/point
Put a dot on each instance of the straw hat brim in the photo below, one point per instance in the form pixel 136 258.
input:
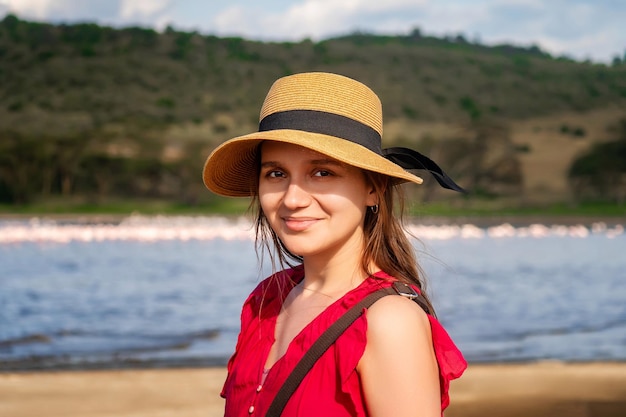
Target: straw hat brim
pixel 230 170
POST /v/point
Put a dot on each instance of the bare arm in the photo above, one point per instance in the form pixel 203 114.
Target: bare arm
pixel 398 369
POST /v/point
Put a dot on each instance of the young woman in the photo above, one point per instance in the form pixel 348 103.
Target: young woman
pixel 324 192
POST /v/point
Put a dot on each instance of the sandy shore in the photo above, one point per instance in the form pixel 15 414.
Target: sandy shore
pixel 542 389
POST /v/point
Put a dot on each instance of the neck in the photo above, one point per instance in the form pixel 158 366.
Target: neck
pixel 334 275
pixel 332 281
pixel 336 271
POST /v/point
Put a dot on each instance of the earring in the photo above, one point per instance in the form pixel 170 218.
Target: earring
pixel 374 208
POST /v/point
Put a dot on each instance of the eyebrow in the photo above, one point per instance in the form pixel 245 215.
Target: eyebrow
pixel 269 164
pixel 325 161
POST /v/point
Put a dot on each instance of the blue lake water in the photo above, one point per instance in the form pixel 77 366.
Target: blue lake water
pixel 156 291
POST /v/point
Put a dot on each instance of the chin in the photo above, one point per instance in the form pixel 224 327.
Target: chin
pixel 300 247
pixel 298 250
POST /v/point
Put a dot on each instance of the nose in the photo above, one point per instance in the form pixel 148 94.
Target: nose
pixel 296 196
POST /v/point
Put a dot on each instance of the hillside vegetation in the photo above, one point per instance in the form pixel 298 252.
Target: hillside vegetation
pixel 95 114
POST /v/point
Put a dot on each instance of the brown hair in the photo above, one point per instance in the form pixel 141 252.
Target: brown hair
pixel 386 242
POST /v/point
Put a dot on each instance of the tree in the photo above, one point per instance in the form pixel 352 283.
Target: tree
pixel 20 159
pixel 483 160
pixel 601 172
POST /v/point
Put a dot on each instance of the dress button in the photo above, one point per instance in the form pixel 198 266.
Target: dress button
pixel 259 388
pixel 251 409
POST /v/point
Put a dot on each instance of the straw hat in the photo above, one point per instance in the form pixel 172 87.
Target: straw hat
pixel 328 113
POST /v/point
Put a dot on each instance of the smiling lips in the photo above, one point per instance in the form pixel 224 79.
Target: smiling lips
pixel 299 224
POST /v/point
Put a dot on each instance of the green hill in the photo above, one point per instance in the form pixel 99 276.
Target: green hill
pixel 91 113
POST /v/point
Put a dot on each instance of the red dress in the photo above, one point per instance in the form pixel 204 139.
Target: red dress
pixel 332 387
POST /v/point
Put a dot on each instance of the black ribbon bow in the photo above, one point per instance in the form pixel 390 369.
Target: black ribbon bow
pixel 410 159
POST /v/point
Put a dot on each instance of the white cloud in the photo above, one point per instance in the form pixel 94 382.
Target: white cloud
pixel 117 12
pixel 309 18
pixel 530 4
pixel 596 46
pixel 579 28
pixel 34 9
pixel 141 9
pixel 453 18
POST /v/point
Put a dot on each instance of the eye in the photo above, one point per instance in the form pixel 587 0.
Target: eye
pixel 322 173
pixel 274 174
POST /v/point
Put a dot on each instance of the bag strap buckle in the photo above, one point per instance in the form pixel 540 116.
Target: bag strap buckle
pixel 405 290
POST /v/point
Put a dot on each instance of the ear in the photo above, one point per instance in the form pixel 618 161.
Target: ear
pixel 372 197
pixel 376 185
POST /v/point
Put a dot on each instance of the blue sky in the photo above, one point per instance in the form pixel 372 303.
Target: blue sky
pixel 581 29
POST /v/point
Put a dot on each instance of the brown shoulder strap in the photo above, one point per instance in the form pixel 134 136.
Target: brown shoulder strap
pixel 327 338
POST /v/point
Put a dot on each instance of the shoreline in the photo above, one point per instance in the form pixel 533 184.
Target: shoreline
pixel 516 220
pixel 34 366
pixel 536 389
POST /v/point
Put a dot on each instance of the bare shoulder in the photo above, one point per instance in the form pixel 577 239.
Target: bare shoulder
pixel 396 314
pixel 399 360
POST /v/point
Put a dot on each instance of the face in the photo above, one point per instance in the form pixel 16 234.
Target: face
pixel 315 204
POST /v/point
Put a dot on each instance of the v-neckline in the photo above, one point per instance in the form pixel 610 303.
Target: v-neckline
pixel 273 320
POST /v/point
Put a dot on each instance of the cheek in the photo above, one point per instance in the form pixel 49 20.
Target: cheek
pixel 264 202
pixel 344 204
pixel 357 195
pixel 267 201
